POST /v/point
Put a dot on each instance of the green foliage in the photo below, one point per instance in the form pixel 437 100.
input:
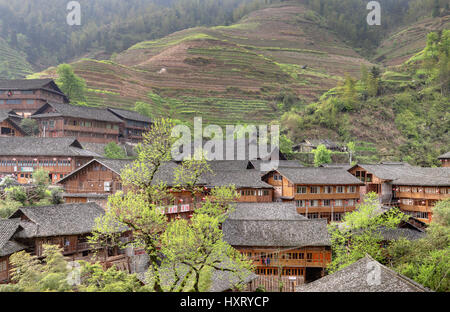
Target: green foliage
pixel 114 151
pixel 427 260
pixel 70 84
pixel 144 109
pixel 359 233
pixel 191 249
pixel 321 155
pixel 30 126
pixel 96 279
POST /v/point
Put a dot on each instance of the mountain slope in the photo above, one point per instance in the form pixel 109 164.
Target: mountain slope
pixel 13 64
pixel 231 74
pixel 408 40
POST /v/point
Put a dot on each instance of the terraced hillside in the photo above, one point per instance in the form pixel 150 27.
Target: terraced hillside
pixel 409 40
pixel 232 74
pixel 13 64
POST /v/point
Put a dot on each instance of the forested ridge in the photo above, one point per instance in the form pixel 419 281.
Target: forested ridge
pixel 38 28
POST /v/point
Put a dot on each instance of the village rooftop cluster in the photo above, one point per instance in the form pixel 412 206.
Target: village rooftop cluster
pixel 281 216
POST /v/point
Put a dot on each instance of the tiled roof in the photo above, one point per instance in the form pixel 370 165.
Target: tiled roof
pixel 266 211
pixel 8 228
pixel 23 84
pixel 75 111
pixel 130 115
pixel 276 233
pixel 361 277
pixel 32 146
pixel 329 176
pixel 116 165
pixel 58 220
pixel 445 156
pixel 249 178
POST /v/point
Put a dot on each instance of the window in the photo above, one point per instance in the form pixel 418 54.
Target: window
pixel 301 189
pixel 314 215
pixel 351 202
pixel 328 189
pixel 338 203
pixel 314 203
pixel 309 257
pixel 315 190
pixel 3 266
pixel 326 203
pixel 300 203
pixel 352 189
pixel 339 189
pixel 277 177
pixel 13 101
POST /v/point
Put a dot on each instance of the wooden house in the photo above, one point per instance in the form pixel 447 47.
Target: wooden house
pixel 21 156
pixel 445 159
pixel 66 226
pixel 279 240
pixel 26 96
pixel 308 145
pixel 365 275
pixel 378 178
pixel 10 124
pixel 87 124
pixel 415 190
pixel 94 181
pixel 317 192
pixel 8 246
pixel 134 125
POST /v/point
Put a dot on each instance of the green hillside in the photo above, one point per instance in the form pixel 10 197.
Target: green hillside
pixel 404 111
pixel 13 64
pixel 241 73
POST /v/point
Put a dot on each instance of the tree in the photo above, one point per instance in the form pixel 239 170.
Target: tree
pixel 427 260
pixel 114 151
pixel 321 155
pixel 53 273
pixel 359 233
pixel 144 109
pixel 181 254
pixel 71 84
pixel 351 147
pixel 30 126
pixel 350 95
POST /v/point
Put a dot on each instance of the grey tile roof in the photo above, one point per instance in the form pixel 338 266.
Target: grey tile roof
pixel 58 220
pixel 23 84
pixel 240 150
pixel 424 177
pixel 404 174
pixel 445 156
pixel 356 278
pixel 249 178
pixel 386 171
pixel 8 227
pixel 116 165
pixel 130 115
pixel 281 164
pixel 32 146
pixel 12 117
pixel 309 175
pixel 68 110
pixel 5 113
pixel 397 233
pixel 276 233
pixel 266 211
